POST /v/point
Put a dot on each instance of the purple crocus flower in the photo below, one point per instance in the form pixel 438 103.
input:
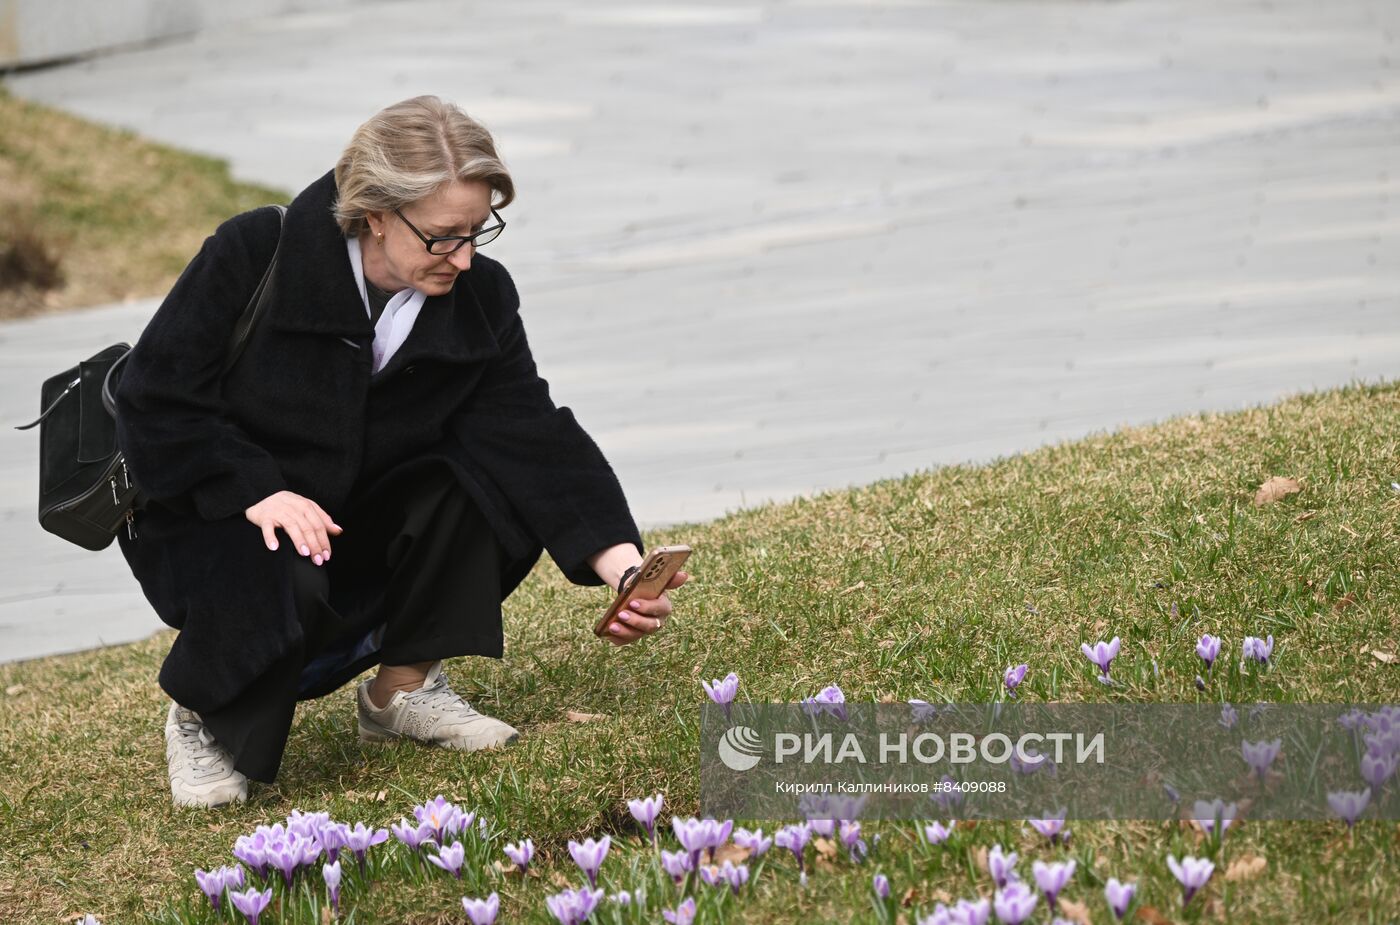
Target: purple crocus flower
pixel 1013 677
pixel 359 839
pixel 921 711
pixel 1119 896
pixel 520 854
pixel 677 864
pixel 684 914
pixel 251 903
pixel 1101 654
pixel 829 699
pixel 450 858
pixel 333 836
pixel 794 838
pixel 755 841
pixel 442 815
pixel 573 907
pixel 589 856
pixel 1229 716
pixel 307 825
pixel 1351 719
pixel 1051 878
pixel 212 884
pixel 1191 873
pixel 331 873
pixel 1208 648
pixel 232 877
pixel 252 850
pixel 850 837
pixel 482 911
pixel 1215 813
pixel 822 828
pixel 1259 649
pixel 881 885
pixel 1001 866
pixel 1260 755
pixel 1376 769
pixel 936 833
pixel 735 875
pixel 645 810
pixel 413 836
pixel 949 795
pixel 1052 828
pixel 1172 793
pixel 622 897
pixel 286 856
pixel 722 691
pixel 1349 804
pixel 1014 903
pixel 695 835
pixel 975 912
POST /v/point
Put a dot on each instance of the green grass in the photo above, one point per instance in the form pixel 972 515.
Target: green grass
pixel 914 587
pixel 122 215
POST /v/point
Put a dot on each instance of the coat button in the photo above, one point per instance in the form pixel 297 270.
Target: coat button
pixel 408 370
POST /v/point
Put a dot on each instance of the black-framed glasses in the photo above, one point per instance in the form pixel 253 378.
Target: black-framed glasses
pixel 442 245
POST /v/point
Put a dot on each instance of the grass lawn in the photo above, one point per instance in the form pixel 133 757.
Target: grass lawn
pixel 921 587
pixel 121 216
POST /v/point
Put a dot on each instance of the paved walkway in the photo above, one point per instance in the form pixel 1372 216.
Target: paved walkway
pixel 771 248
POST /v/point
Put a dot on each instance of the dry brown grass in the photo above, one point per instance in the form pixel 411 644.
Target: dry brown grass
pixel 121 215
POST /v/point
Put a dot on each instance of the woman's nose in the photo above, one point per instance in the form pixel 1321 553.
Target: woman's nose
pixel 461 258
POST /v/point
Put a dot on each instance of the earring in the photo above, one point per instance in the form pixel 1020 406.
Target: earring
pixel 380 236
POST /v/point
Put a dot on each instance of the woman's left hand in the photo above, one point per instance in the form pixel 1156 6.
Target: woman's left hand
pixel 641 618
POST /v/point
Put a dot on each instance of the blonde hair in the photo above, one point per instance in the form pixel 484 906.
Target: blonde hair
pixel 406 151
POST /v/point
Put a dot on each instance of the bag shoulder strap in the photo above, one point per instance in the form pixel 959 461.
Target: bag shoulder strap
pixel 256 304
pixel 237 341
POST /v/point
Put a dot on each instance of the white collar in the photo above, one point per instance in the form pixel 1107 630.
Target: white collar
pixel 399 314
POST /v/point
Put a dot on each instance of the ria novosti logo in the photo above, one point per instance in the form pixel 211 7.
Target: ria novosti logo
pixel 740 748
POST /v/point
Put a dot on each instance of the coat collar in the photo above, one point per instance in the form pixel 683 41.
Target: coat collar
pixel 317 294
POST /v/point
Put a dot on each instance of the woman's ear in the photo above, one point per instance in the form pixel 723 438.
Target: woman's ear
pixel 375 221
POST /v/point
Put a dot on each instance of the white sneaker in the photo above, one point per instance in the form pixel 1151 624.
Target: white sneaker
pixel 432 714
pixel 201 770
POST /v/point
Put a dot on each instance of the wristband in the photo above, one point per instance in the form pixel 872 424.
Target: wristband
pixel 627 573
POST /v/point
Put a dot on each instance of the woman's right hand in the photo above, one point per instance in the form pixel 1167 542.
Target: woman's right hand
pixel 302 519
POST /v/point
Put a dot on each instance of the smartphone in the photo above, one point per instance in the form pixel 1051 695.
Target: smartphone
pixel 647 582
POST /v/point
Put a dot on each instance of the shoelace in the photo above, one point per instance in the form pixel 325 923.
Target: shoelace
pixel 196 742
pixel 440 696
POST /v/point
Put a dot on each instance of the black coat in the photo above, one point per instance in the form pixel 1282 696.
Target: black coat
pixel 301 412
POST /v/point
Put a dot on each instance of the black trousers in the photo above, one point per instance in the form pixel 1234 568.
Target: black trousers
pixel 416 576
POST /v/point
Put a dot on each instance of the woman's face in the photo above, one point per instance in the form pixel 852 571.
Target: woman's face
pixel 400 259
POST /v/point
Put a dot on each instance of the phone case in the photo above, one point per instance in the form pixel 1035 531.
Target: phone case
pixel 650 579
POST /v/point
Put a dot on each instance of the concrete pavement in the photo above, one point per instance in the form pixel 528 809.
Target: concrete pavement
pixel 771 248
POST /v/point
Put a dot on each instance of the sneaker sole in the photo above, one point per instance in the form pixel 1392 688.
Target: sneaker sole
pixel 373 733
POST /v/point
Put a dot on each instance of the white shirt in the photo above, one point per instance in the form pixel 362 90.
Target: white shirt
pixel 399 314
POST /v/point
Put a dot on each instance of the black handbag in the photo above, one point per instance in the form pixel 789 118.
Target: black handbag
pixel 85 490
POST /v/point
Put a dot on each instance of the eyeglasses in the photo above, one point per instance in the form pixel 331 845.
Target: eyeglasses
pixel 449 244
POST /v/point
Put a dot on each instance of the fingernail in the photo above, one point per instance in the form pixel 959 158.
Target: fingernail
pixel 272 545
pixel 616 628
pixel 326 554
pixel 316 558
pixel 623 617
pixel 305 550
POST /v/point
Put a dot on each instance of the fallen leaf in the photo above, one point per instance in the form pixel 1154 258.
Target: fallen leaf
pixel 574 716
pixel 1386 657
pixel 1075 912
pixel 826 848
pixel 1275 488
pixel 732 852
pixel 557 878
pixel 1246 867
pixel 1305 516
pixel 381 796
pixel 14 689
pixel 979 855
pixel 855 587
pixel 1345 601
pixel 325 915
pixel 1151 916
pixel 910 897
pixel 942 896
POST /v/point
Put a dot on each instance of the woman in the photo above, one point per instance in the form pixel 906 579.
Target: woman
pixel 378 471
